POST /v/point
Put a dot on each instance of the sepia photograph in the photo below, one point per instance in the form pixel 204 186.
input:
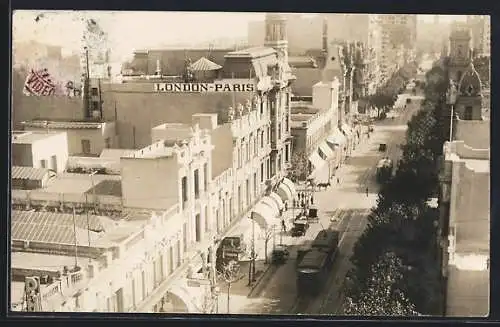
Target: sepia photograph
pixel 250 163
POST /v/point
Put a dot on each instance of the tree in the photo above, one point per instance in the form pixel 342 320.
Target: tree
pixel 230 273
pixel 300 166
pixel 381 100
pixel 383 296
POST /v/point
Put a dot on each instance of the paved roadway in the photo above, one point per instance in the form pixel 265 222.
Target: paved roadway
pixel 344 207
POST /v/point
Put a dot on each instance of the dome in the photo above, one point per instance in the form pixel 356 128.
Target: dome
pixel 470 82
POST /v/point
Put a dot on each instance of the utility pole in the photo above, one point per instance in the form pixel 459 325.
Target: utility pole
pixel 87 83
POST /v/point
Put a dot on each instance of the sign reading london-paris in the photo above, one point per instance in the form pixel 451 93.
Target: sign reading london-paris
pixel 204 87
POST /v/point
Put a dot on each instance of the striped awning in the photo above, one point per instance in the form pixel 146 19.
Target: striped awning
pixel 270 202
pixel 29 173
pixel 337 138
pixel 316 160
pixel 263 215
pixel 325 150
pixel 203 64
pixel 285 193
pixel 278 200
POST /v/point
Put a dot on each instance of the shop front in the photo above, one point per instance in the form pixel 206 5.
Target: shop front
pixel 327 154
pixel 346 129
pixel 338 143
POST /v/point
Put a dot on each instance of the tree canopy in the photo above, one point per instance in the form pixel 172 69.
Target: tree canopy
pixel 402 230
pixel 382 296
pixel 300 166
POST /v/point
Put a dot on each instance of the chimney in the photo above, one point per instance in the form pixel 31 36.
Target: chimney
pixel 158 67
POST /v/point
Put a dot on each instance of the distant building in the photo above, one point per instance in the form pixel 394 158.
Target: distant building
pixel 464 177
pixel 40 149
pixel 315 131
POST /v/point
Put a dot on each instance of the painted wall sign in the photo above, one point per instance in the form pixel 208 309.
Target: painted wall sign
pixel 41 83
pixel 204 87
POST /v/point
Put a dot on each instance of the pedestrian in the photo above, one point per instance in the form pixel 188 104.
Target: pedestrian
pixel 283 225
pixel 312 200
pixel 367 191
pixel 338 180
pixel 286 205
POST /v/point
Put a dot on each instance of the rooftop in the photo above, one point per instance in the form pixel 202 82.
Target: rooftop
pixel 254 52
pixel 76 183
pixel 64 124
pixel 116 153
pixel 480 166
pixel 30 173
pixel 24 137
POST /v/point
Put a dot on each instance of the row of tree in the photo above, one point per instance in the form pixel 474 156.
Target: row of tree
pixel 396 269
pixel 386 96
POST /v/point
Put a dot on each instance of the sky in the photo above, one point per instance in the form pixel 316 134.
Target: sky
pixel 135 30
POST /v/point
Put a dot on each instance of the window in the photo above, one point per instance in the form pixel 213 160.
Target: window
pixel 94 91
pixel 179 256
pixel 185 236
pixel 107 143
pixel 262 172
pixel 207 227
pixel 171 259
pixel 43 163
pixel 255 184
pixel 198 227
pixel 143 276
pixel 196 184
pixel 247 184
pixel 86 146
pixel 468 113
pixel 205 177
pixel 240 200
pixel 95 105
pixel 184 192
pixel 262 139
pixel 133 292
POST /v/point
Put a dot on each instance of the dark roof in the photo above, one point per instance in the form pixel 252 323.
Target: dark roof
pixel 306 78
pixel 50 227
pixel 313 259
pixel 173 61
pixel 203 64
pixel 107 187
pixel 30 173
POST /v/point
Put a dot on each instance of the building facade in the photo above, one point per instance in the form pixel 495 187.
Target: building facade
pixel 40 149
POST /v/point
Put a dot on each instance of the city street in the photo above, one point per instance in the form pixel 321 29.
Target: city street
pixel 344 207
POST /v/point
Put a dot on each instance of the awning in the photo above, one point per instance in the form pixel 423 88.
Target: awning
pixel 184 293
pixel 285 193
pixel 326 150
pixel 316 160
pixel 336 138
pixel 291 186
pixel 269 201
pixel 278 200
pixel 347 130
pixel 263 215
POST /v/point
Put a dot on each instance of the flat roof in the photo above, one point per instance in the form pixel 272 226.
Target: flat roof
pixel 78 183
pixel 63 124
pixel 42 261
pixel 116 153
pixel 480 166
pixel 30 137
pixel 251 52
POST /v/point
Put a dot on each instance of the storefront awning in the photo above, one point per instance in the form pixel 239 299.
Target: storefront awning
pixel 269 201
pixel 185 294
pixel 336 138
pixel 347 130
pixel 278 200
pixel 290 186
pixel 285 193
pixel 263 215
pixel 326 150
pixel 316 160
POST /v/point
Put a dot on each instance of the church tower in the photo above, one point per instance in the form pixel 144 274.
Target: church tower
pixel 276 36
pixel 460 51
pixel 469 100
